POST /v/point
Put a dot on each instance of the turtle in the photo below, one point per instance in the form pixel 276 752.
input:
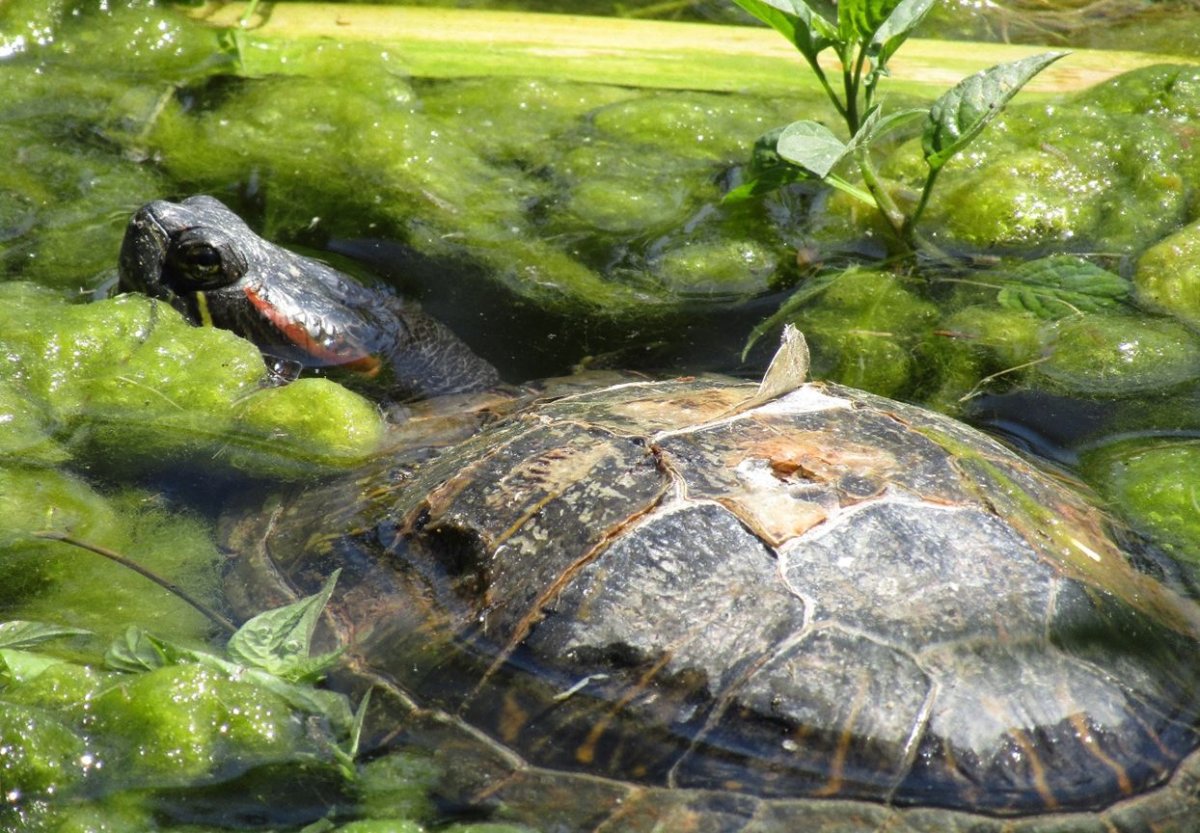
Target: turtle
pixel 710 604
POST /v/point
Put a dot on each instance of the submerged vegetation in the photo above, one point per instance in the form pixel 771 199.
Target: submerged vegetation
pixel 136 738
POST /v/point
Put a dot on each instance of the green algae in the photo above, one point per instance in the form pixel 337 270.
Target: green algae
pixel 867 330
pixel 128 383
pixel 39 754
pixel 1119 355
pixel 544 215
pixel 1155 486
pixel 45 578
pixel 185 723
pixel 1069 175
pixel 83 83
pixel 1167 277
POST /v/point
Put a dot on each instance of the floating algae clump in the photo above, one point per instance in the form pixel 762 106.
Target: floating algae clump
pixel 129 382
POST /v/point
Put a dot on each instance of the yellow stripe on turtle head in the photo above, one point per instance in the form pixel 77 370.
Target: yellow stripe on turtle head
pixel 206 319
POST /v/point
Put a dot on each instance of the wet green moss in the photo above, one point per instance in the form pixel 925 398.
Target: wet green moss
pixel 341 431
pixel 979 342
pixel 43 578
pixel 398 786
pixel 865 329
pixel 1069 175
pixel 39 754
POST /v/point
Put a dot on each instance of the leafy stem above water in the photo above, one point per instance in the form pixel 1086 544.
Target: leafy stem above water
pixel 864 35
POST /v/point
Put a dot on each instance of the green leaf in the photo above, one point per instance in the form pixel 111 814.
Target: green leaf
pixel 764 156
pixel 875 126
pixel 767 170
pixel 887 38
pixel 138 651
pixel 302 696
pixel 770 180
pixel 22 634
pixel 1054 287
pixel 804 27
pixel 812 146
pixel 279 641
pixel 959 115
pixel 356 727
pixel 22 666
pixel 858 20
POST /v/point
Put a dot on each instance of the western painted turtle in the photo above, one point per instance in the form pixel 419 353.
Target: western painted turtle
pixel 698 604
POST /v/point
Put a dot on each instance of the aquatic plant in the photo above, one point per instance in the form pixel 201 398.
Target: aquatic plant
pixel 863 35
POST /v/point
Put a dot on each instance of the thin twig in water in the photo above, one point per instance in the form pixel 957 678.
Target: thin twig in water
pixel 978 387
pixel 169 586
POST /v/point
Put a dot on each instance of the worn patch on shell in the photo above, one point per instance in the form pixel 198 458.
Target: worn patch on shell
pixel 804 400
pixel 773 508
pixel 781 477
pixel 659 412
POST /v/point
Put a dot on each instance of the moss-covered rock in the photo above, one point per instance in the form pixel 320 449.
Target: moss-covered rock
pixel 26 435
pixel 1166 91
pixel 719 267
pixel 1067 175
pixel 129 383
pixel 563 209
pixel 121 812
pixel 64 204
pixel 65 687
pixel 514 121
pixel 398 786
pixel 980 342
pixel 316 422
pixel 382 826
pixel 39 754
pixel 1008 337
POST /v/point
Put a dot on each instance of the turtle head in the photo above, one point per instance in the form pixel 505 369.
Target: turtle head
pixel 174 250
pixel 204 261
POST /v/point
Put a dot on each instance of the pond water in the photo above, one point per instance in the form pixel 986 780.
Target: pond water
pixel 553 224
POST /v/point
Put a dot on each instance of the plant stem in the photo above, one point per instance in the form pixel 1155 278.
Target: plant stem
pixel 911 222
pixel 859 65
pixel 837 103
pixel 883 200
pixel 850 86
pixel 835 181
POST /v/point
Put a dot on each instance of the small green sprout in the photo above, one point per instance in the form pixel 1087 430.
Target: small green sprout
pixel 864 35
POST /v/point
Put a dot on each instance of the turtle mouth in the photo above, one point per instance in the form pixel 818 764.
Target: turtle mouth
pixel 143 255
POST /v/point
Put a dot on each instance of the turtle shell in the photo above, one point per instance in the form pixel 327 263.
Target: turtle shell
pixel 663 606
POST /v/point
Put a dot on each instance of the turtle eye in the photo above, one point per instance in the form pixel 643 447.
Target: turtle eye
pixel 195 263
pixel 202 258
